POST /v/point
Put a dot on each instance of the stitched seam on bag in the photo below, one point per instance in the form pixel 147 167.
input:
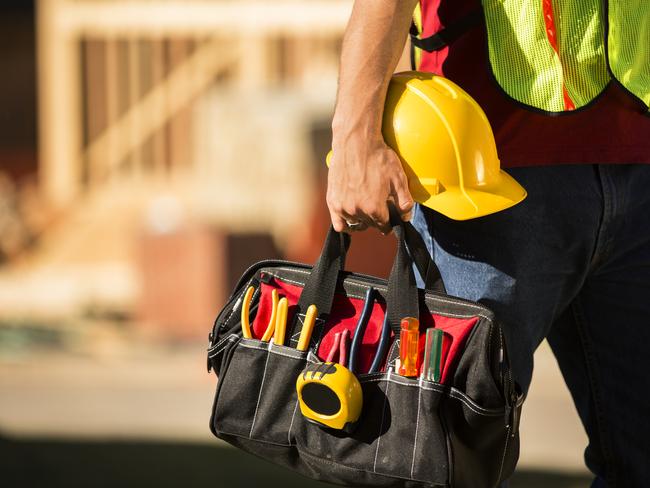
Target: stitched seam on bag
pixel 232 311
pixel 384 289
pixel 332 463
pixel 291 424
pixel 489 351
pixel 391 351
pixel 220 346
pixel 301 320
pixel 259 397
pixel 417 424
pixel 452 394
pixel 255 439
pixel 230 338
pixel 259 347
pixel 320 334
pixel 267 348
pixel 505 449
pixel 278 353
pixel 245 287
pixel 293 282
pixel 381 426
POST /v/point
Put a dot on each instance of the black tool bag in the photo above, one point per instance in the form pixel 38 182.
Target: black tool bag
pixel 461 432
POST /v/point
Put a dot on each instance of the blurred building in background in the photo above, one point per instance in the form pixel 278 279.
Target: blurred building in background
pixel 150 150
pixel 178 142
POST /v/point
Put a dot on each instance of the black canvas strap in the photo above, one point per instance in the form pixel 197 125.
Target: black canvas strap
pixel 425 265
pixel 447 35
pixel 402 295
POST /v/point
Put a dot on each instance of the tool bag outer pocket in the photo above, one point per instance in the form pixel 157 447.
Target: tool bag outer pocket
pixel 412 433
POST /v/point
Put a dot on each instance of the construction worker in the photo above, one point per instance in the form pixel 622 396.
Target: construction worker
pixel 566 87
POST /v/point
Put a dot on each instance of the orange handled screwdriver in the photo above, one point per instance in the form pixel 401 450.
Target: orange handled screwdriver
pixel 408 346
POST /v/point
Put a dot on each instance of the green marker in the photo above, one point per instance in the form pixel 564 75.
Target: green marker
pixel 431 370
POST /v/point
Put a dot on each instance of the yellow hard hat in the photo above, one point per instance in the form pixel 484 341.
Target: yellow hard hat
pixel 447 147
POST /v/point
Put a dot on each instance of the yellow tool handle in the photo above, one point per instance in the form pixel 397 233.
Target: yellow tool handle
pixel 270 329
pixel 245 311
pixel 281 321
pixel 307 327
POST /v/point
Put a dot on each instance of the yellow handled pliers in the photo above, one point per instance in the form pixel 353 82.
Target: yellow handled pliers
pixel 281 321
pixel 307 327
pixel 245 312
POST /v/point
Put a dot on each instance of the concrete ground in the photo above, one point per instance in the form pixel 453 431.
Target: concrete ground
pixel 144 400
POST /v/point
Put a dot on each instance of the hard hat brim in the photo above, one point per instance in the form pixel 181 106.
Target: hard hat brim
pixel 469 203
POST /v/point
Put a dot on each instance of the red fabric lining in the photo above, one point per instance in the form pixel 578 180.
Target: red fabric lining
pixel 345 312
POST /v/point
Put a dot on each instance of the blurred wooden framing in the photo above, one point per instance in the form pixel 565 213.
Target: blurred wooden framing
pixel 117 79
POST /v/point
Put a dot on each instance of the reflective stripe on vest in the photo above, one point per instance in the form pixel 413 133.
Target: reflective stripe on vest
pixel 553 55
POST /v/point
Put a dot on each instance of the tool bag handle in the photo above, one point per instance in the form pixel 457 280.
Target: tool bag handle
pixel 402 295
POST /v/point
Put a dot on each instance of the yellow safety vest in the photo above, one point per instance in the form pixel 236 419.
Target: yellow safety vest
pixel 559 55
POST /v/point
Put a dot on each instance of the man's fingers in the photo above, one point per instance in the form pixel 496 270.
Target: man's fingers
pixel 402 196
pixel 381 219
pixel 338 222
pixel 357 228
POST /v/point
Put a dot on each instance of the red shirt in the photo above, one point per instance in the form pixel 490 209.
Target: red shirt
pixel 613 129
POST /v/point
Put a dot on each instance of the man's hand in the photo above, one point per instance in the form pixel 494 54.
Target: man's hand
pixel 362 178
pixel 364 172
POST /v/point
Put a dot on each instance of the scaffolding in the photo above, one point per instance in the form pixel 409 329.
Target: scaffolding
pixel 119 80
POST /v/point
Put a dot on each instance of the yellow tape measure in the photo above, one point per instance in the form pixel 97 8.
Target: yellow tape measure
pixel 330 395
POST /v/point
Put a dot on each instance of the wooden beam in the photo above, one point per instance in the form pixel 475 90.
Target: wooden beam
pixel 194 17
pixel 59 112
pixel 153 110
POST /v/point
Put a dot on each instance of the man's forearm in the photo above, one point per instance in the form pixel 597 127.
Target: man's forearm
pixel 364 172
pixel 372 46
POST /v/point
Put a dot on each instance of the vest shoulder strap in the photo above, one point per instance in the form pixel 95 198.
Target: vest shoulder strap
pixel 448 34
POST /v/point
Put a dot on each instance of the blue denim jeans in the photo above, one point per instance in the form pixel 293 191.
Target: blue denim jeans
pixel 571 263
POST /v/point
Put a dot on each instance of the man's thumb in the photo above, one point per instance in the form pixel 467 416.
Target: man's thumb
pixel 403 199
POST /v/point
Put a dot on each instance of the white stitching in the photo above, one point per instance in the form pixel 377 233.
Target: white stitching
pixel 321 324
pixel 417 423
pixel 232 311
pixel 392 380
pixel 231 338
pixel 321 459
pixel 381 288
pixel 220 345
pixel 301 319
pixel 278 353
pixel 384 289
pixel 244 288
pixel 260 347
pixel 452 393
pixel 381 426
pixel 391 351
pixel 505 449
pixel 259 397
pixel 293 282
pixel 271 349
pixel 489 351
pixel 291 424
